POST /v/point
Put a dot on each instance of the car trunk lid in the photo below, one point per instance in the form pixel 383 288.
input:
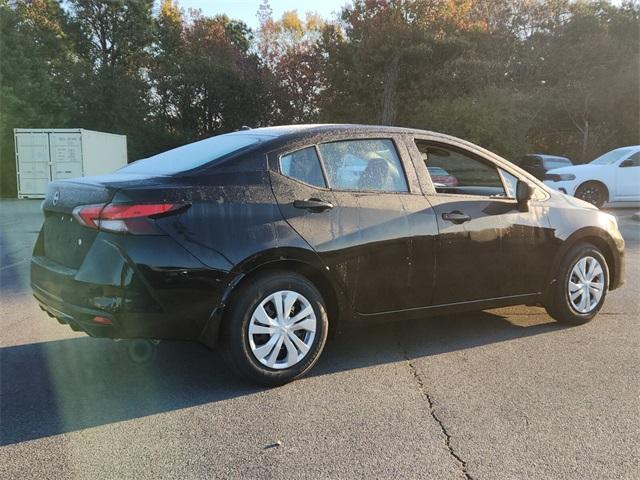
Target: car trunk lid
pixel 65 241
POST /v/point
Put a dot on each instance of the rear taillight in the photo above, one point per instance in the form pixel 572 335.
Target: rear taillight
pixel 88 215
pixel 124 217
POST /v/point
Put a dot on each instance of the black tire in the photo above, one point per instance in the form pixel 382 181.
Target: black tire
pixel 594 193
pixel 235 342
pixel 560 307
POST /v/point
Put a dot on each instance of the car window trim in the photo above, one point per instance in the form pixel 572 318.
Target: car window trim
pixel 324 170
pixel 475 197
pixel 355 139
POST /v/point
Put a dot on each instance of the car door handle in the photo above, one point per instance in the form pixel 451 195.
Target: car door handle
pixel 313 204
pixel 456 217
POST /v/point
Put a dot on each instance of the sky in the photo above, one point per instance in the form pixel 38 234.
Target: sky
pixel 245 10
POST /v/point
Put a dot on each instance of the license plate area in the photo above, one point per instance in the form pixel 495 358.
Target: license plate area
pixel 65 241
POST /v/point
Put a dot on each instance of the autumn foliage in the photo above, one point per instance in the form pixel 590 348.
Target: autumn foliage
pixel 555 76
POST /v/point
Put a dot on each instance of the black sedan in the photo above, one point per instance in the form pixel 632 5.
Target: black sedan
pixel 261 242
pixel 538 164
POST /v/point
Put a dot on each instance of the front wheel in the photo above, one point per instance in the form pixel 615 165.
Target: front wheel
pixel 581 286
pixel 593 192
pixel 275 329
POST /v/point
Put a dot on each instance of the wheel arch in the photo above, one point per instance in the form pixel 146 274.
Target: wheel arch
pixel 595 236
pixel 302 262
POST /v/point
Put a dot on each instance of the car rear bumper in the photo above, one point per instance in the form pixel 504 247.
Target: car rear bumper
pixel 130 290
pixel 78 318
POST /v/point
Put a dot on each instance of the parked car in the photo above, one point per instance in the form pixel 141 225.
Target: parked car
pixel 440 176
pixel 252 242
pixel 538 164
pixel 612 177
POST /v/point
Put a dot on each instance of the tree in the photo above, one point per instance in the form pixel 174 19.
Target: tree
pixel 549 68
pixel 591 73
pixel 288 48
pixel 558 76
pixel 204 77
pixel 35 59
pixel 374 66
pixel 112 41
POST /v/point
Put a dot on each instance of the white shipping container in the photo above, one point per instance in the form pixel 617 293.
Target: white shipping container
pixel 43 155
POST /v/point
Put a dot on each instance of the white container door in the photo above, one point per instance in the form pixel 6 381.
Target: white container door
pixel 33 163
pixel 66 155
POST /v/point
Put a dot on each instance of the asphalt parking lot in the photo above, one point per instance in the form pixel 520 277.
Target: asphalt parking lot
pixel 505 393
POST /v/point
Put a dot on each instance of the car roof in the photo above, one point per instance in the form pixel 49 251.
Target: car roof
pixel 630 148
pixel 275 137
pixel 319 128
pixel 283 134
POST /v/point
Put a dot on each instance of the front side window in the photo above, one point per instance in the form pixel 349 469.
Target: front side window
pixel 634 160
pixel 303 165
pixel 510 183
pixel 465 175
pixel 368 165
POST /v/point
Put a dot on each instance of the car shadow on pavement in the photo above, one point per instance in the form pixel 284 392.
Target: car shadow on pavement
pixel 68 385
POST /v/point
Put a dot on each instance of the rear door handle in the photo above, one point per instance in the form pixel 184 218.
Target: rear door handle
pixel 313 204
pixel 456 217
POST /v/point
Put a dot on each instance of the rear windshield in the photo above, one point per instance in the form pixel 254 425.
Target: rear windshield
pixel 193 155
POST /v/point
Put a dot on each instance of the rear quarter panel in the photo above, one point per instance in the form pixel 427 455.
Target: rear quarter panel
pixel 233 222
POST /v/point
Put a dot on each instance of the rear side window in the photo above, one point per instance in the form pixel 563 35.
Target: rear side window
pixel 303 165
pixel 368 165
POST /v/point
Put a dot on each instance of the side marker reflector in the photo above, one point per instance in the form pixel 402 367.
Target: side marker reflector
pixel 103 320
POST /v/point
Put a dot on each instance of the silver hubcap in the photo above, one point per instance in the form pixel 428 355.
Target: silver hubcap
pixel 282 329
pixel 586 284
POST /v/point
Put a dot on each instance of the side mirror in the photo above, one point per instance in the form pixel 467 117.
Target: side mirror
pixel 523 194
pixel 627 163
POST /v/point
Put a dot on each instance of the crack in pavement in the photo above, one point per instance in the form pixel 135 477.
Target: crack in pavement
pixel 443 429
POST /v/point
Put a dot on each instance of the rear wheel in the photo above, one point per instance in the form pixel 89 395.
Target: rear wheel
pixel 593 192
pixel 581 287
pixel 275 329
